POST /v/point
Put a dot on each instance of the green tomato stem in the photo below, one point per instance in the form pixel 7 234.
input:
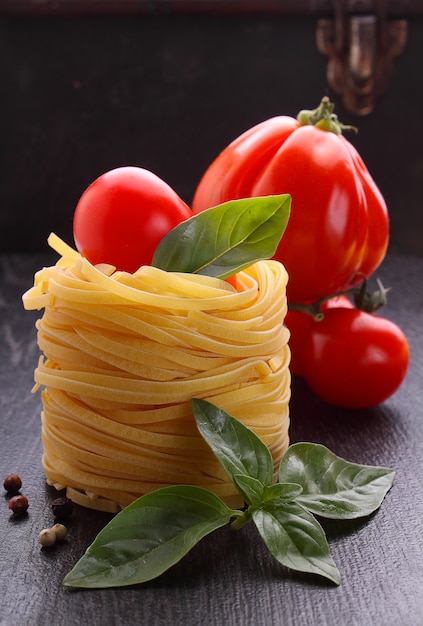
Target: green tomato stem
pixel 324 118
pixel 363 299
pixel 312 309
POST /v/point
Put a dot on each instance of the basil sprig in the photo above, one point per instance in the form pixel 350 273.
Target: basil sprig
pixel 226 238
pixel 157 530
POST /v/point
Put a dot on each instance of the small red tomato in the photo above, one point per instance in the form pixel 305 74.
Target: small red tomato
pixel 298 323
pixel 232 280
pixel 354 359
pixel 337 302
pixel 121 217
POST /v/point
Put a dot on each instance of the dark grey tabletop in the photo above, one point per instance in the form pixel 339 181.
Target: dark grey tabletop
pixel 229 578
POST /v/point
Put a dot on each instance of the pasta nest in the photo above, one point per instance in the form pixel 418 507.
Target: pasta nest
pixel 123 354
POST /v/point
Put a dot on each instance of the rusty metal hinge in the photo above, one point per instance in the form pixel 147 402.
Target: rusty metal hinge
pixel 361 41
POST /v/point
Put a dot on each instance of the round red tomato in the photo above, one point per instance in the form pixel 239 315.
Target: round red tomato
pixel 298 323
pixel 337 302
pixel 121 217
pixel 354 359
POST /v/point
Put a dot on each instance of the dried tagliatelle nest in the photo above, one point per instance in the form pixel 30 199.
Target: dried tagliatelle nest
pixel 123 354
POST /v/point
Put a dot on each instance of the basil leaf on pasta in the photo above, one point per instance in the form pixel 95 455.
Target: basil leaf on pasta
pixel 225 239
pixel 238 449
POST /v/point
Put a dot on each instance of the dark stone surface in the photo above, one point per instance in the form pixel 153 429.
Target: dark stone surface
pixel 229 578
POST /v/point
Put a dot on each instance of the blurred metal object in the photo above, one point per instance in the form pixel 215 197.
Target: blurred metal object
pixel 361 41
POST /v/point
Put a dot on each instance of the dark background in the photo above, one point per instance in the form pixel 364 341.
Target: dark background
pixel 82 94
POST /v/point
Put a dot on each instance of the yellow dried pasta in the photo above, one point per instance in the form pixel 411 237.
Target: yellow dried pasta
pixel 123 354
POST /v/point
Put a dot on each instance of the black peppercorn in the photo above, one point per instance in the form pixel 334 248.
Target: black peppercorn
pixel 62 507
pixel 12 483
pixel 18 504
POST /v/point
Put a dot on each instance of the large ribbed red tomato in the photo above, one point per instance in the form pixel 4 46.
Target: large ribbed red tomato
pixel 121 217
pixel 338 229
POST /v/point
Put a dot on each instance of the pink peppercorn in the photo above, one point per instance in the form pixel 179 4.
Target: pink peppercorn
pixel 19 505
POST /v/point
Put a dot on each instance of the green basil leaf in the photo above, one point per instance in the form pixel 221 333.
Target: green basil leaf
pixel 225 239
pixel 250 488
pixel 149 536
pixel 296 539
pixel 238 449
pixel 333 487
pixel 282 491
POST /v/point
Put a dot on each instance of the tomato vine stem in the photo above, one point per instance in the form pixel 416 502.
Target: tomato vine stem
pixel 363 299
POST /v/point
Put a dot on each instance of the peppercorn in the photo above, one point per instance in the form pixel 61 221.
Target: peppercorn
pixel 12 483
pixel 62 507
pixel 60 531
pixel 19 505
pixel 47 537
